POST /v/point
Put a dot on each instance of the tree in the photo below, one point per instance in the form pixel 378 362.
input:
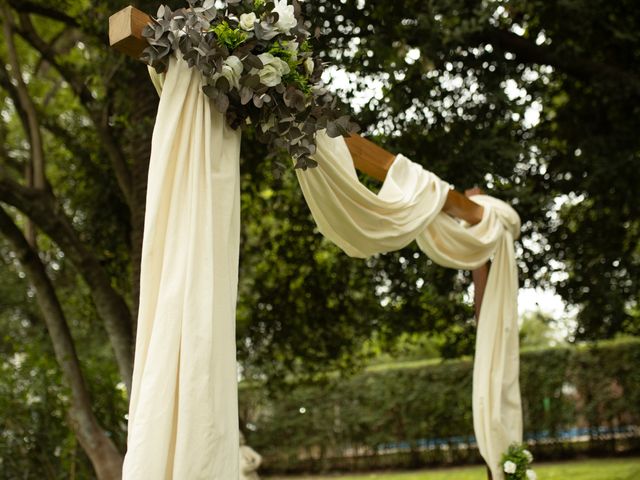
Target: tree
pixel 465 82
pixel 77 172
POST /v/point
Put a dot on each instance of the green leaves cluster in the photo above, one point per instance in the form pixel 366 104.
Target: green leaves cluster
pixel 283 98
pixel 229 37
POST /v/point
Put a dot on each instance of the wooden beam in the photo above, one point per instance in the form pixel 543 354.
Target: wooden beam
pixel 460 206
pixel 125 31
pixel 369 158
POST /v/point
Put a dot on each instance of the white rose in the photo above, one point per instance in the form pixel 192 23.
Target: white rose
pixel 528 455
pixel 247 21
pixel 286 16
pixel 231 70
pixel 531 475
pixel 509 467
pixel 309 65
pixel 273 68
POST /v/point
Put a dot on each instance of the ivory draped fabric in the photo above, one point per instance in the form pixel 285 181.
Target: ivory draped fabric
pixel 183 418
pixel 183 413
pixel 408 207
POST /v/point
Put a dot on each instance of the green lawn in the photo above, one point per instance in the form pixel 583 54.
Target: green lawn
pixel 610 469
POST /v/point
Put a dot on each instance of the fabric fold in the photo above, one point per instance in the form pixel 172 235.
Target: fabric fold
pixel 360 222
pixel 183 413
pixel 409 207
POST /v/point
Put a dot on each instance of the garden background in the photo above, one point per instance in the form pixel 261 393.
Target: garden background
pixel 345 364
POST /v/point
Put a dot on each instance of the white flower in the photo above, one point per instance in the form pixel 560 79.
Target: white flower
pixel 531 475
pixel 509 467
pixel 309 65
pixel 273 68
pixel 247 21
pixel 231 70
pixel 528 455
pixel 286 16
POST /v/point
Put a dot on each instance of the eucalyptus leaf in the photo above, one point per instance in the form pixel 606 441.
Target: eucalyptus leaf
pixel 250 81
pixel 253 61
pixel 333 130
pixel 221 102
pixel 258 101
pixel 246 94
pixel 223 84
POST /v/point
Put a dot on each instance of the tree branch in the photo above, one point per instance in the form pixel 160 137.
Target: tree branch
pixel 5 83
pixel 121 169
pixel 42 208
pixel 34 134
pixel 89 432
pixel 25 6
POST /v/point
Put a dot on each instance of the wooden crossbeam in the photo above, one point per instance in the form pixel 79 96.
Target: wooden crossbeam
pixel 125 31
pixel 368 157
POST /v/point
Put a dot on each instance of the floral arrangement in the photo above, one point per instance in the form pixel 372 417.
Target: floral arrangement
pixel 259 68
pixel 515 463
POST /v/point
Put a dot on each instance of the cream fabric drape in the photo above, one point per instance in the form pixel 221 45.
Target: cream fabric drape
pixel 183 419
pixel 408 207
pixel 183 414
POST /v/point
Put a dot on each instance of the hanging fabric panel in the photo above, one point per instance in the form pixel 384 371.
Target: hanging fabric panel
pixel 183 413
pixel 409 207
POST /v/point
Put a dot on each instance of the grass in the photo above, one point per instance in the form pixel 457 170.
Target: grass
pixel 608 469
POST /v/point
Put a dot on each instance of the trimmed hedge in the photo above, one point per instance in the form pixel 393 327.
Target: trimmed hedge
pixel 419 414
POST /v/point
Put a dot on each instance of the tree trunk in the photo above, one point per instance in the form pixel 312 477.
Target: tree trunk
pixel 43 208
pixel 104 456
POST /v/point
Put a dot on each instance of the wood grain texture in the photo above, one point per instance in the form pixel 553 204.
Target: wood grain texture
pixel 369 158
pixel 125 31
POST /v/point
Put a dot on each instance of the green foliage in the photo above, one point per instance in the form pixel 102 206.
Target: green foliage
pixel 359 421
pixel 280 50
pixel 536 330
pixel 229 37
pixel 298 79
pixel 306 308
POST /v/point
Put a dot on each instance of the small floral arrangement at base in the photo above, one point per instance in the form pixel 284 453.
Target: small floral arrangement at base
pixel 258 68
pixel 515 463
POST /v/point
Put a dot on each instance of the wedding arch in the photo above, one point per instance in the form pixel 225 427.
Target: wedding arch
pixel 183 421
